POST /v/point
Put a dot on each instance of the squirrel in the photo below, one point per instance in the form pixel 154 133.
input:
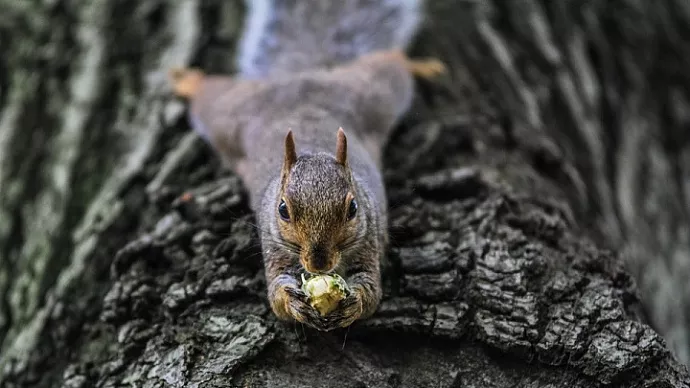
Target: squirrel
pixel 320 87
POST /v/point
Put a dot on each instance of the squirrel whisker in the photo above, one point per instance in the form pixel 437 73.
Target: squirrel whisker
pixel 352 242
pixel 289 246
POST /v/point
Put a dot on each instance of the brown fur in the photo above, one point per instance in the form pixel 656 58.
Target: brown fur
pixel 318 172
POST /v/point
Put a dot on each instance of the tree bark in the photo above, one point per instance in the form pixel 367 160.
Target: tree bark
pixel 539 201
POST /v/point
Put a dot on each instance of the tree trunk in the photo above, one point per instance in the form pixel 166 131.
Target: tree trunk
pixel 128 256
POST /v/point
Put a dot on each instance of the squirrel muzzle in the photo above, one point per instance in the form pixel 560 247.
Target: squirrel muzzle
pixel 318 258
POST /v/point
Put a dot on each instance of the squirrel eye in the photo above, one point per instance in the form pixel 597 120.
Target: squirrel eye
pixel 352 210
pixel 283 211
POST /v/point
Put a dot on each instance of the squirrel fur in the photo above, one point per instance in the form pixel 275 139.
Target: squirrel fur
pixel 321 86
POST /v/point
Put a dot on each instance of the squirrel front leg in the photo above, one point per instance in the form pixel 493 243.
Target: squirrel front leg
pixel 368 287
pixel 286 298
pixel 364 280
pixel 289 302
pixel 279 296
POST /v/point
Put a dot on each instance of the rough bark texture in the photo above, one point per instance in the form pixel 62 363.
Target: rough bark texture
pixel 128 257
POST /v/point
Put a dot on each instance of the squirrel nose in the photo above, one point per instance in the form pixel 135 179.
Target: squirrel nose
pixel 319 259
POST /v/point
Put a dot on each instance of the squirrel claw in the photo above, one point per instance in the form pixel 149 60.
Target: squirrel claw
pixel 297 305
pixel 348 311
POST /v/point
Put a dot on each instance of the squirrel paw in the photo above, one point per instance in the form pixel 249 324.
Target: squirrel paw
pixel 348 311
pixel 426 68
pixel 297 306
pixel 185 82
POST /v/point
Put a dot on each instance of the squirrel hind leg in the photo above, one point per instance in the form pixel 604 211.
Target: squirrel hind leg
pixel 419 67
pixel 186 82
pixel 425 68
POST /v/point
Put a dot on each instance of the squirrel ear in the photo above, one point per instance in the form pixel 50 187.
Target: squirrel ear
pixel 290 153
pixel 341 148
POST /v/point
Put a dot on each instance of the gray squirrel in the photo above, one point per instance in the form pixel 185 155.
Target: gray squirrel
pixel 321 85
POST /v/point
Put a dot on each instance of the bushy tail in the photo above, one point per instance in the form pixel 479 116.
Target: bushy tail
pixel 293 35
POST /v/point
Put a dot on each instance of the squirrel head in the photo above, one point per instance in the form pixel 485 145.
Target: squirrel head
pixel 317 209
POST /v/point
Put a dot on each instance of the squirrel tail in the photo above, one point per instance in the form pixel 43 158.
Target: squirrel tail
pixel 282 36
